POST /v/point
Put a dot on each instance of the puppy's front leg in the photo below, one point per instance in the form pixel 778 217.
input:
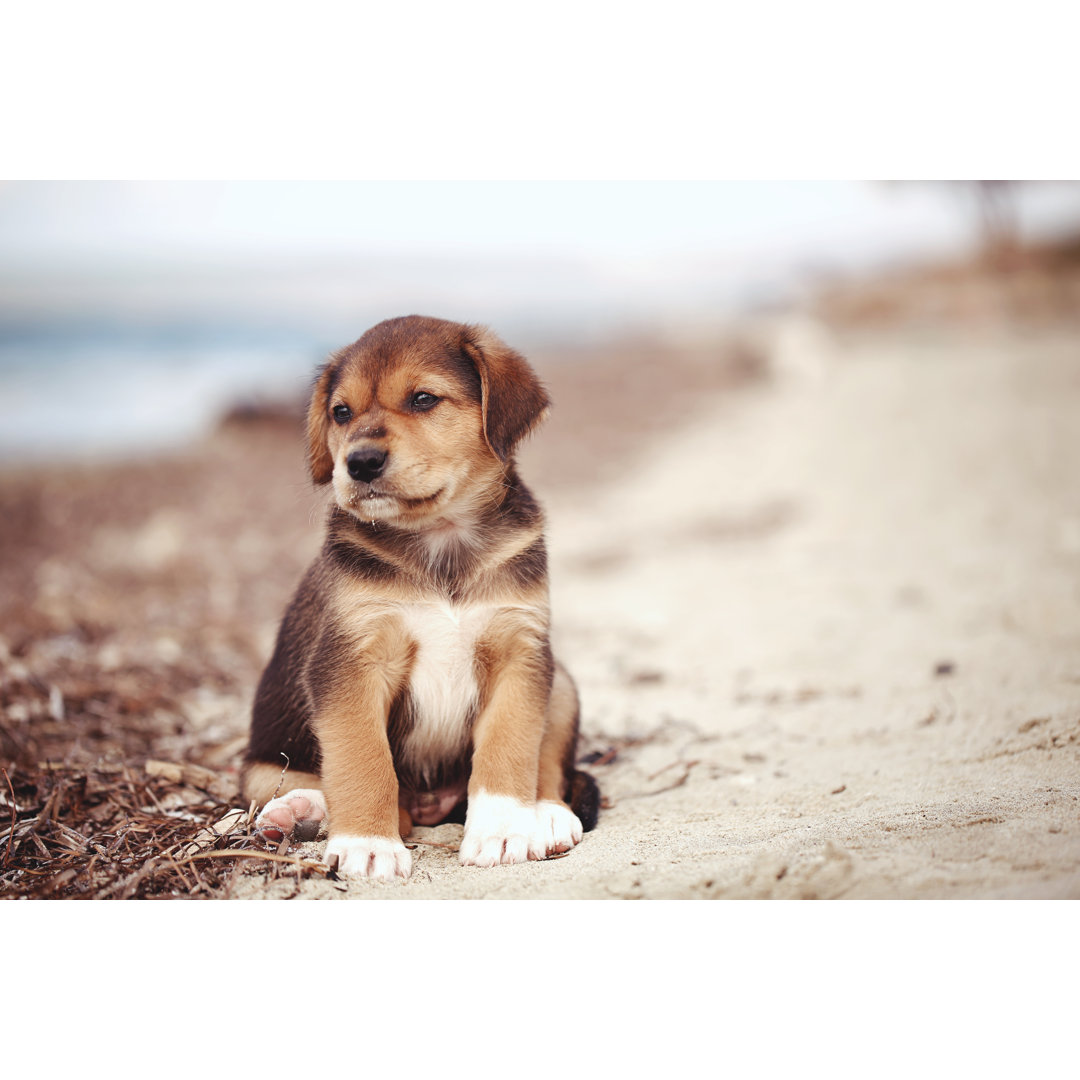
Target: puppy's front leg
pixel 359 684
pixel 501 823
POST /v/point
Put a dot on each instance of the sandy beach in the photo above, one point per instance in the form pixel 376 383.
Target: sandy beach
pixel 821 595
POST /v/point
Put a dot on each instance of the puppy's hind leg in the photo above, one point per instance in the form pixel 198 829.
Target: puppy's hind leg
pixel 558 827
pixel 293 805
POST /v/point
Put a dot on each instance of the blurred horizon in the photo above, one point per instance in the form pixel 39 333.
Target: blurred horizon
pixel 139 311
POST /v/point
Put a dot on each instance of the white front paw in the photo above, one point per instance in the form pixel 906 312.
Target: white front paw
pixel 558 829
pixel 497 830
pixel 379 858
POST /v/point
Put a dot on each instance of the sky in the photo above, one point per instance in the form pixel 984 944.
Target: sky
pixel 519 253
pixel 567 256
pixel 815 220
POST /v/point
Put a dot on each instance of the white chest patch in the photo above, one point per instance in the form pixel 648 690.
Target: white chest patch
pixel 443 686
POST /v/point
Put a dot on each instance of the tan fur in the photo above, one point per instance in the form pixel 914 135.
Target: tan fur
pixel 509 730
pixel 358 769
pixel 264 782
pixel 558 734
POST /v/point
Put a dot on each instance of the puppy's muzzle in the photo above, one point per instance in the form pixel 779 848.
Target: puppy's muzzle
pixel 366 464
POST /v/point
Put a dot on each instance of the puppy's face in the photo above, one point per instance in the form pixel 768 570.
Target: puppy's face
pixel 417 419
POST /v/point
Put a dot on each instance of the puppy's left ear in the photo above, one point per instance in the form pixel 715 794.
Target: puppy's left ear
pixel 318 426
pixel 512 398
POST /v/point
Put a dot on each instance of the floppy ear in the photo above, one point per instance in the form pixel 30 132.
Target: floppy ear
pixel 318 425
pixel 511 396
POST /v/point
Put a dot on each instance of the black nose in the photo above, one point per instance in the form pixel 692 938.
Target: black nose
pixel 366 464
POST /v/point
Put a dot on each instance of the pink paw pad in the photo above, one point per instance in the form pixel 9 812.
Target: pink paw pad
pixel 298 816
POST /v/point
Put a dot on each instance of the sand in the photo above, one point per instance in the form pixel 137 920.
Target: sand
pixel 825 622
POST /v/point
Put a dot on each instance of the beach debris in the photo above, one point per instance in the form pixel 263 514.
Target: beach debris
pixel 196 776
pixel 117 832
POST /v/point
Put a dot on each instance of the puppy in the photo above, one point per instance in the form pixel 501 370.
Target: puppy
pixel 413 679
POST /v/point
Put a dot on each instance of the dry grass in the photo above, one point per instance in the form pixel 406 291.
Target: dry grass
pixel 110 833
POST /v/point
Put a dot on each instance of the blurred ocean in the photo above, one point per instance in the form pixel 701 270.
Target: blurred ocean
pixel 99 391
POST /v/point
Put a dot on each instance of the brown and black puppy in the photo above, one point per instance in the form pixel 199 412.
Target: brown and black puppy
pixel 413 677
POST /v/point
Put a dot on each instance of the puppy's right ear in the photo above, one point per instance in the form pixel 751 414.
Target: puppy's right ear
pixel 320 462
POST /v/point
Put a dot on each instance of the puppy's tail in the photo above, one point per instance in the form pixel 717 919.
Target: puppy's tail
pixel 584 798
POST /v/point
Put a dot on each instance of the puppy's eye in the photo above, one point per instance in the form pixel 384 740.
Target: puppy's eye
pixel 342 414
pixel 422 401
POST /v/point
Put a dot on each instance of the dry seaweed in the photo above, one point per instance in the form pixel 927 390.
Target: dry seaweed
pixel 110 833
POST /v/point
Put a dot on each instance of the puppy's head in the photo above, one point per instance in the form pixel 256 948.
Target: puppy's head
pixel 418 418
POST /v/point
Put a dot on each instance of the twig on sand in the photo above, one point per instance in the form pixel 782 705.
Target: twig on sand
pixel 669 765
pixel 11 834
pixel 268 856
pixel 687 766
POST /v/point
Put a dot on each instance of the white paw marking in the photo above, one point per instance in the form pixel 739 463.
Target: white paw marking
pixel 378 858
pixel 497 830
pixel 298 814
pixel 500 829
pixel 557 829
